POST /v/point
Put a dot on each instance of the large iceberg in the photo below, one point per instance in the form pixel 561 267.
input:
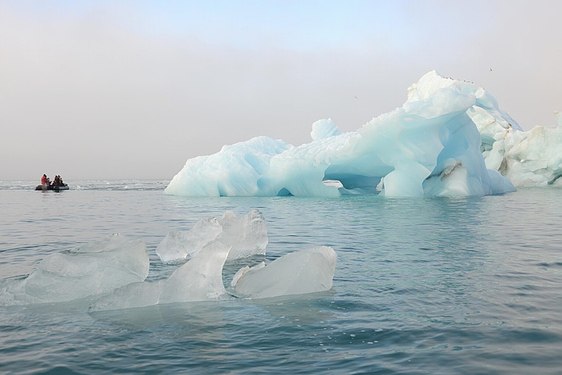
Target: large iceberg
pixel 450 138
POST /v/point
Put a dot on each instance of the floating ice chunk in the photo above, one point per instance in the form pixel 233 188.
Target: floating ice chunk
pixel 179 245
pixel 199 279
pixel 93 269
pixel 301 272
pixel 139 294
pixel 112 272
pixel 247 235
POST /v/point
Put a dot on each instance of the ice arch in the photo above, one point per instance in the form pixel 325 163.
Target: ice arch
pixel 430 146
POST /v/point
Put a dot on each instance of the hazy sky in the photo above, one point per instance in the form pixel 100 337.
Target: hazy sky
pixel 132 89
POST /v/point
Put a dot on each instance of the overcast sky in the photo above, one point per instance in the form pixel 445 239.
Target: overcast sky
pixel 132 89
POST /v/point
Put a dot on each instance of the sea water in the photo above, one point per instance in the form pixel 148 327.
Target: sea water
pixel 422 286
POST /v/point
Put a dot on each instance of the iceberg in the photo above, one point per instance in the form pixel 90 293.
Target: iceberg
pixel 90 270
pixel 246 235
pixel 449 138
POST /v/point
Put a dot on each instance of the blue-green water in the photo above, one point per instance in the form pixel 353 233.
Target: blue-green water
pixel 422 286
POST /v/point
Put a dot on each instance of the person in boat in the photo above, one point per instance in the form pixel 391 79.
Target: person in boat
pixel 45 180
pixel 57 182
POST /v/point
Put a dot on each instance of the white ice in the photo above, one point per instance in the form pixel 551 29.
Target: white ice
pixel 246 235
pixel 450 138
pixel 92 269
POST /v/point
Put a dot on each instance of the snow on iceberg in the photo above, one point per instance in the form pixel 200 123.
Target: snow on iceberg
pixel 92 269
pixel 246 235
pixel 430 146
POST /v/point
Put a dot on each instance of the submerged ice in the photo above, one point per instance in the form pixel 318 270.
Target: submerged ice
pixel 112 274
pixel 449 138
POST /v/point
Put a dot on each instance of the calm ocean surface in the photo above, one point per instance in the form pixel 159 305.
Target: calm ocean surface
pixel 422 286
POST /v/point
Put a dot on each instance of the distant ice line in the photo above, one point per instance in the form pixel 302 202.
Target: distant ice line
pixel 449 138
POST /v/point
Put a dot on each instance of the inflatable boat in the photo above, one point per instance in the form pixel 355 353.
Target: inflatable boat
pixel 51 187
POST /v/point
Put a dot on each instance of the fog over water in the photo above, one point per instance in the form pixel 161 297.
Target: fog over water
pixel 133 89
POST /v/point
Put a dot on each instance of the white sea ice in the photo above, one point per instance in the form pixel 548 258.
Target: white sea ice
pixel 246 235
pixel 431 146
pixel 301 272
pixel 92 269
